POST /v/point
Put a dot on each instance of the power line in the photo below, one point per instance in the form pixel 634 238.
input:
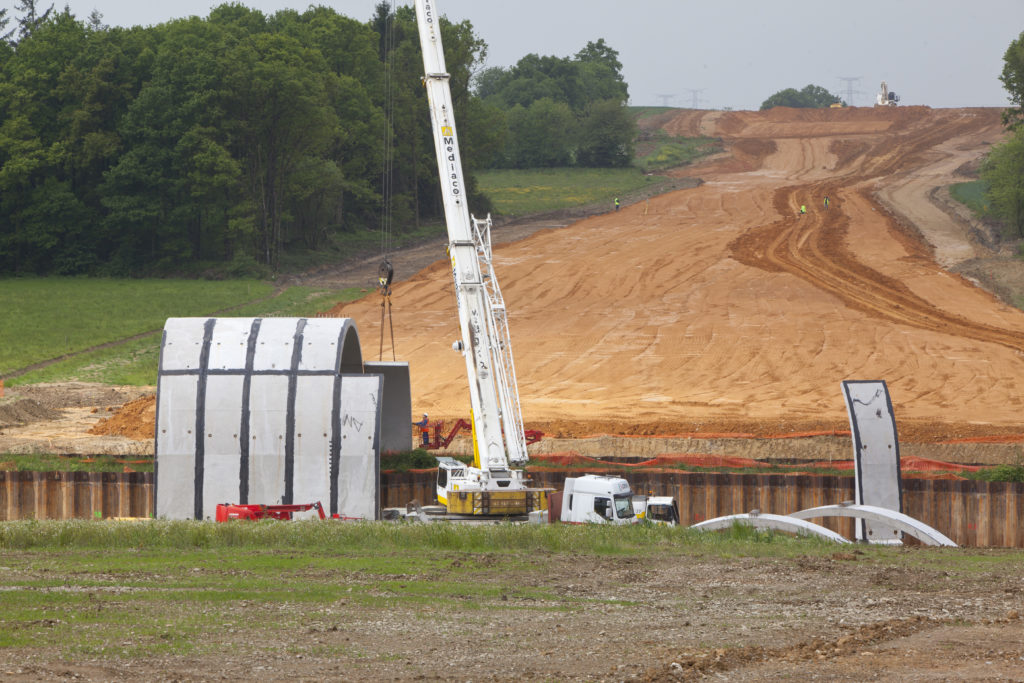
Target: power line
pixel 697 99
pixel 665 99
pixel 850 81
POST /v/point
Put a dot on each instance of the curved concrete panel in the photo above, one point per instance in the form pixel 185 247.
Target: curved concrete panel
pixel 876 456
pixel 773 522
pixel 265 410
pixel 896 520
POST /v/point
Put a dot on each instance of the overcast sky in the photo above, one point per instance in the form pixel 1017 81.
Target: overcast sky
pixel 726 53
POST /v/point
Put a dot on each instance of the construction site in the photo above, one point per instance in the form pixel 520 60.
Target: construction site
pixel 720 320
pixel 721 311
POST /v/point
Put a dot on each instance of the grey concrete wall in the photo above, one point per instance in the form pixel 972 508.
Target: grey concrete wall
pixel 396 413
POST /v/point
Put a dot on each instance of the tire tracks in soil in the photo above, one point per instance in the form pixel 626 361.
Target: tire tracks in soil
pixel 812 247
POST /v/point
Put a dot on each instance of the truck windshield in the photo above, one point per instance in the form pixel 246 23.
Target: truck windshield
pixel 661 513
pixel 623 506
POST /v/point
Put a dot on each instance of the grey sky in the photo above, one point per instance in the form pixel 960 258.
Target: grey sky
pixel 940 53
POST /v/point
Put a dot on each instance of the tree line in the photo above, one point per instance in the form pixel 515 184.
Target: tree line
pixel 1003 169
pixel 231 139
pixel 809 97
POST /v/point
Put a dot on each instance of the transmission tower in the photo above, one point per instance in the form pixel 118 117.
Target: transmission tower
pixel 850 91
pixel 665 99
pixel 696 96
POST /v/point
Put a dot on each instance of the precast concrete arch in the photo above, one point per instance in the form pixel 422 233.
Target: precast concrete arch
pixel 772 522
pixel 890 518
pixel 266 410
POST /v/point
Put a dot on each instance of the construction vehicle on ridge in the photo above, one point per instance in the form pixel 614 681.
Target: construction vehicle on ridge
pixel 886 97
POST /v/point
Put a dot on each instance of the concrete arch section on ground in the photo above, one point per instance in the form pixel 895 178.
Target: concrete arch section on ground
pixel 266 411
pixel 771 522
pixel 889 518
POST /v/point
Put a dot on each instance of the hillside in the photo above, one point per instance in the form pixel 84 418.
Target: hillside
pixel 720 308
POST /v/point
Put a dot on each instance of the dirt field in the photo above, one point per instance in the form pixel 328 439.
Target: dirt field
pixel 892 615
pixel 719 308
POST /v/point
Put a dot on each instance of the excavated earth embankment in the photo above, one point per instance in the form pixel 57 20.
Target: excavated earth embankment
pixel 722 309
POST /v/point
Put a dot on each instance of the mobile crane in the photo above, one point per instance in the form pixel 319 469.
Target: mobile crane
pixel 494 484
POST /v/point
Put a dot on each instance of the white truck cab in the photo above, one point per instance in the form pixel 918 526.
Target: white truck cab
pixel 597 498
pixel 657 509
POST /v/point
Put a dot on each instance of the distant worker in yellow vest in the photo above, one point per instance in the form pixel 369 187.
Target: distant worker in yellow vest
pixel 803 209
pixel 826 202
pixel 616 203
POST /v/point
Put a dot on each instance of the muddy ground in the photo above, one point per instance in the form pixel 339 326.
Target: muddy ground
pixel 902 615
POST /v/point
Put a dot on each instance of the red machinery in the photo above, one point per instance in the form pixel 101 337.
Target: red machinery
pixel 227 511
pixel 442 441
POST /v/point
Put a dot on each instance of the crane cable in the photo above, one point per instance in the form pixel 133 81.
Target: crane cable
pixel 385 272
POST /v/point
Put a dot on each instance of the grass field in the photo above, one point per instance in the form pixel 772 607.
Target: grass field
pixel 45 318
pixel 521 192
pixel 124 590
pixel 972 195
pixel 663 151
pixel 159 600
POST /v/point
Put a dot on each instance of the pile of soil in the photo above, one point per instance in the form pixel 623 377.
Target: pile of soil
pixel 20 412
pixel 134 420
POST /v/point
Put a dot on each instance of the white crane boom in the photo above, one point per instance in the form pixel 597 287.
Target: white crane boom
pixel 497 419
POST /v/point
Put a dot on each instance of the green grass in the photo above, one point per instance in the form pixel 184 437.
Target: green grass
pixel 46 317
pixel 141 590
pixel 521 192
pixel 972 195
pixel 1012 473
pixel 66 315
pixel 641 113
pixel 663 151
pixel 418 459
pixel 74 463
pixel 375 538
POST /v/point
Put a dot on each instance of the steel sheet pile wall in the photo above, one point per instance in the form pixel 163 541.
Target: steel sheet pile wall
pixel 270 411
pixel 972 513
pixel 75 495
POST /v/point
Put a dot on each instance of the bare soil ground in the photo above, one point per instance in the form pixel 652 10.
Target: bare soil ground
pixel 720 308
pixel 916 615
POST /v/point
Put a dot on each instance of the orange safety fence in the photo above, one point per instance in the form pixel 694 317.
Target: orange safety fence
pixel 1005 438
pixel 911 466
pixel 726 435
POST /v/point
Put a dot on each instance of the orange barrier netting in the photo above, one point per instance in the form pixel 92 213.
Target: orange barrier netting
pixel 726 435
pixel 1006 438
pixel 908 465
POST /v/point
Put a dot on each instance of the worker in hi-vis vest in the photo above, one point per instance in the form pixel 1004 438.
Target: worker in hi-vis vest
pixel 424 429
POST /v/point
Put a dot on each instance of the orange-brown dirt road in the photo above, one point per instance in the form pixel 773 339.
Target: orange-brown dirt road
pixel 721 308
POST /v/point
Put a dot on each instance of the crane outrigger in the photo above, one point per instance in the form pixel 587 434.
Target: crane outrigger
pixel 495 483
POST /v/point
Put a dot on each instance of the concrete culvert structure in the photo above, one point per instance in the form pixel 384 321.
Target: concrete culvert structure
pixel 271 411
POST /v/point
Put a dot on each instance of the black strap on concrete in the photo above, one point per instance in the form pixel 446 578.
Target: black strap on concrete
pixel 243 428
pixel 289 439
pixel 200 430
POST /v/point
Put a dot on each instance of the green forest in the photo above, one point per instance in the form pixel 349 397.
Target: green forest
pixel 223 142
